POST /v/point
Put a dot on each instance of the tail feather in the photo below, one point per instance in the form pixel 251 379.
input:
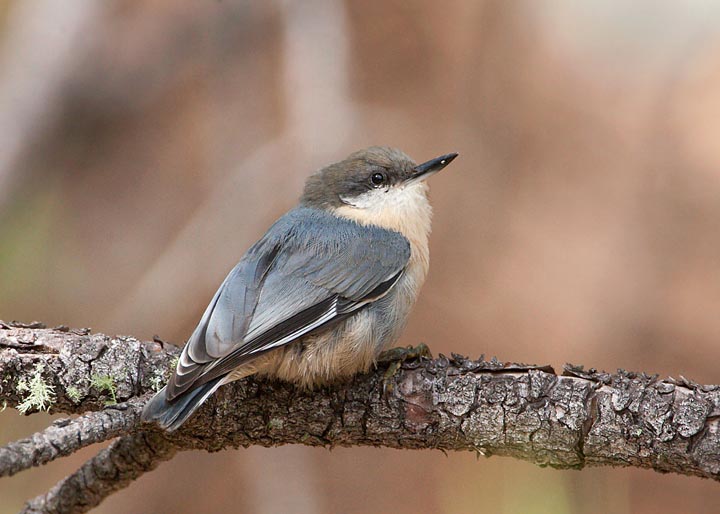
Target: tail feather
pixel 170 415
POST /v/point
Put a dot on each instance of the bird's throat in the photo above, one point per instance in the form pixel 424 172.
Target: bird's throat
pixel 404 210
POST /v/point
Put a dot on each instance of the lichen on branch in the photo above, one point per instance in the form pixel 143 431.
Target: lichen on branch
pixel 39 394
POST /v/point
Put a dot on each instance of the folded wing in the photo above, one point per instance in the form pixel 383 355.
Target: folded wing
pixel 310 270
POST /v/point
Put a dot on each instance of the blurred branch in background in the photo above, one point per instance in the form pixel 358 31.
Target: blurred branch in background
pixel 582 418
pixel 32 81
pixel 319 119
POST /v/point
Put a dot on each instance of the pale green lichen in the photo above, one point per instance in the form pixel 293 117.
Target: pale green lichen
pixel 160 378
pixel 40 394
pixel 74 394
pixel 157 380
pixel 107 384
pixel 275 424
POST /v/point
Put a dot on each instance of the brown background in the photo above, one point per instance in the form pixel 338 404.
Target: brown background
pixel 144 145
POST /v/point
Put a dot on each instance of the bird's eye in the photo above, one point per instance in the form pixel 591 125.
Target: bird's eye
pixel 377 179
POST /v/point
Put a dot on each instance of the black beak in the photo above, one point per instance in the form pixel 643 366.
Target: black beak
pixel 424 170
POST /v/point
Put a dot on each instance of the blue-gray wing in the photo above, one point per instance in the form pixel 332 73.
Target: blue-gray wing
pixel 309 270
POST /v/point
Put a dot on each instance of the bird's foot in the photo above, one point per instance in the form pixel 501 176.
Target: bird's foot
pixel 395 357
pixel 402 354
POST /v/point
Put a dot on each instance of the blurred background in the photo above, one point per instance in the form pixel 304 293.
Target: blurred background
pixel 144 145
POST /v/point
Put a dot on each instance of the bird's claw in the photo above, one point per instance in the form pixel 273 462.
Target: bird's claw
pixel 395 357
pixel 403 354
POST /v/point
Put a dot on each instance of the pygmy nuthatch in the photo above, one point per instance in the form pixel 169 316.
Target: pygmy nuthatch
pixel 324 291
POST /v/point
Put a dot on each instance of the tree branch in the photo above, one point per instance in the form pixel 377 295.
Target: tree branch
pixel 110 470
pixel 66 436
pixel 580 418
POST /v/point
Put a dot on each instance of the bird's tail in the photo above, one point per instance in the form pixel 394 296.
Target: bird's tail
pixel 170 415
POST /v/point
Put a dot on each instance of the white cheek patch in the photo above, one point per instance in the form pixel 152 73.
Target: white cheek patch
pixel 365 200
pixel 381 199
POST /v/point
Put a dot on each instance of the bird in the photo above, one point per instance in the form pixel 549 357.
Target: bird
pixel 322 293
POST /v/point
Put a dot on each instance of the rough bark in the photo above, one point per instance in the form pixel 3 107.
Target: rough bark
pixel 66 436
pixel 110 470
pixel 570 421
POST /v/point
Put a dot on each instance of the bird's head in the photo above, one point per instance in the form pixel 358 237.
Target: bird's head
pixel 376 180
